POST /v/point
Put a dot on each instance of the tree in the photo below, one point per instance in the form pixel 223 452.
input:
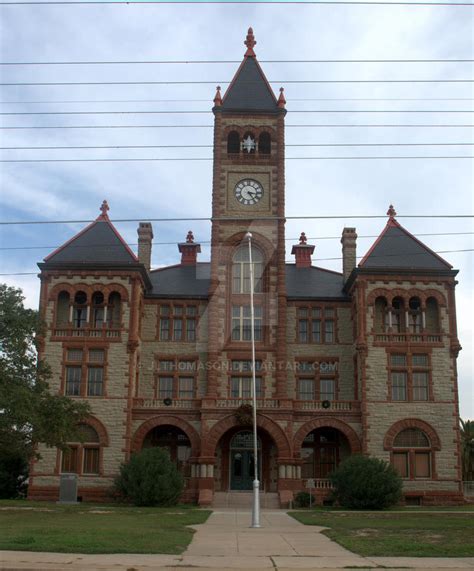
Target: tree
pixel 29 412
pixel 467 449
pixel 362 482
pixel 150 478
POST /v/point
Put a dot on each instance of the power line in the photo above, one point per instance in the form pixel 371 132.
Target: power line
pixel 206 62
pixel 249 83
pixel 208 241
pixel 233 219
pixel 304 2
pixel 73 101
pixel 286 261
pixel 67 147
pixel 210 126
pixel 200 159
pixel 200 112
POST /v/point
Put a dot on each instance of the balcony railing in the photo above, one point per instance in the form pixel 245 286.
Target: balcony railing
pixel 328 406
pixel 87 333
pixel 236 402
pixel 319 484
pixel 166 403
pixel 408 338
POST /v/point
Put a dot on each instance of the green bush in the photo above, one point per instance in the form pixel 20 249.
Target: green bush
pixel 13 474
pixel 150 479
pixel 361 482
pixel 302 500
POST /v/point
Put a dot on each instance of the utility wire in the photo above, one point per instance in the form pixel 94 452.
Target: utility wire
pixel 200 159
pixel 249 83
pixel 211 146
pixel 206 112
pixel 292 2
pixel 303 125
pixel 205 62
pixel 359 237
pixel 286 261
pixel 233 219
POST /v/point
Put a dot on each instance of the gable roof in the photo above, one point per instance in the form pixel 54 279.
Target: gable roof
pixel 396 248
pixel 98 243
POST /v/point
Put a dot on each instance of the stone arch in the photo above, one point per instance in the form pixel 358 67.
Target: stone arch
pixel 89 289
pixel 349 433
pixel 164 420
pixel 411 423
pixel 99 428
pixel 271 427
pixel 233 242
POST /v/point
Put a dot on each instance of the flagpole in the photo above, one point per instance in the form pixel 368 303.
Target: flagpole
pixel 256 483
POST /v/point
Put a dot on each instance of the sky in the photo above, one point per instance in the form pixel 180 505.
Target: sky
pixel 316 184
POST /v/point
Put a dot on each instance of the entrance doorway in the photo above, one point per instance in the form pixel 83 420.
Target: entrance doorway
pixel 242 460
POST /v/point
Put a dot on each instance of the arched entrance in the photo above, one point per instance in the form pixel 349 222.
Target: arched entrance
pixel 175 441
pixel 322 450
pixel 234 469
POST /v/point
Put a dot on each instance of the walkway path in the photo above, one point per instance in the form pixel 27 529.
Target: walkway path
pixel 225 542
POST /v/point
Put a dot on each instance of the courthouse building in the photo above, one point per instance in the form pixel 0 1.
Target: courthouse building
pixel 350 362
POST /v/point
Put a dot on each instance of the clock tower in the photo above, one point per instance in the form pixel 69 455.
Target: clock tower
pixel 248 196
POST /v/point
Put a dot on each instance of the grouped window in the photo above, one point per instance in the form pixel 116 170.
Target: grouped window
pixel 321 452
pixel 242 323
pixel 175 379
pixel 241 270
pixel 83 456
pixel 241 379
pixel 316 380
pixel 316 324
pixel 175 442
pixel 248 143
pixel 409 375
pixel 81 310
pixel 178 322
pixel 412 454
pixel 84 372
pixel 406 315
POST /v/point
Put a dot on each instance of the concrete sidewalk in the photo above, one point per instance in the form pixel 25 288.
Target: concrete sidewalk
pixel 225 541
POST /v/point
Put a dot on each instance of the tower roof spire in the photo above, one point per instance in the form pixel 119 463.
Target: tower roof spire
pixel 250 43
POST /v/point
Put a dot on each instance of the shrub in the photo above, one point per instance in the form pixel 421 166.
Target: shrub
pixel 361 482
pixel 302 500
pixel 150 479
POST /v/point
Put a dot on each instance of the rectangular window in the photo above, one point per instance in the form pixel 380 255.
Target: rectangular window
pixel 74 355
pixel 165 387
pixel 96 355
pixel 422 465
pixel 316 324
pixel 399 385
pixel 400 463
pixel 241 323
pixel 328 389
pixel 420 385
pixel 175 379
pixel 91 461
pixel 316 380
pixel 95 381
pixel 397 360
pixel 69 462
pixel 306 389
pixel 178 322
pixel 241 387
pixel 73 381
pixel 186 387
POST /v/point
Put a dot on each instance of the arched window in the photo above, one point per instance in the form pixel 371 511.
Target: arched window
pixel 62 309
pixel 114 310
pixel 233 142
pixel 83 455
pixel 264 143
pixel 98 305
pixel 241 270
pixel 414 315
pixel 80 309
pixel 412 454
pixel 380 314
pixel 432 315
pixel 397 315
pixel 322 451
pixel 175 441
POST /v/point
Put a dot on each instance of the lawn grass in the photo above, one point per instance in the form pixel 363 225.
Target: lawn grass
pixel 402 534
pixel 96 528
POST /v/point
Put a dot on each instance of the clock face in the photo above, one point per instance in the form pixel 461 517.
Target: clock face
pixel 248 191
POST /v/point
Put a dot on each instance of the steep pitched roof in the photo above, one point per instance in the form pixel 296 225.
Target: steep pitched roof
pixel 313 282
pixel 249 90
pixel 396 248
pixel 98 243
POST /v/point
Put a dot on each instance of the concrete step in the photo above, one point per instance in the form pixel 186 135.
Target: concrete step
pixel 244 499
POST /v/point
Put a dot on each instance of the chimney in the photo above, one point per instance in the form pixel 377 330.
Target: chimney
pixel 189 250
pixel 348 242
pixel 145 236
pixel 302 252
